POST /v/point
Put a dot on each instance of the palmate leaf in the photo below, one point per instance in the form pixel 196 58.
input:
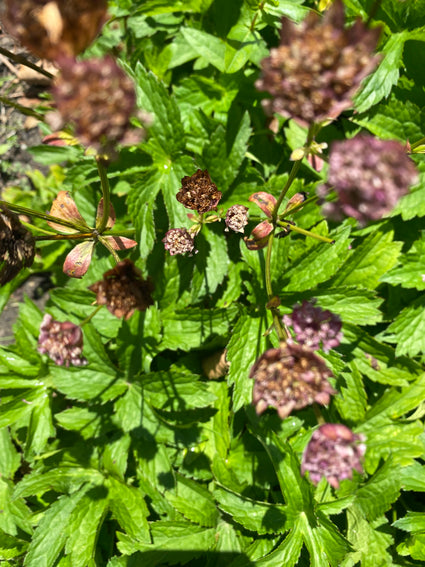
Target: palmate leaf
pixel 129 509
pixel 407 329
pixel 194 502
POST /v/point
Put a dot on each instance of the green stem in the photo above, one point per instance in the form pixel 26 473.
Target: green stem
pixel 417 144
pixel 90 317
pixel 22 109
pixel 45 216
pixel 281 333
pixel 254 19
pixel 24 61
pixel 105 192
pixel 73 236
pixel 294 228
pixel 128 232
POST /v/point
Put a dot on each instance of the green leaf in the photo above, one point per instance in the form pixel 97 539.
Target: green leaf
pixel 21 405
pixel 17 363
pixel 378 85
pixel 115 455
pixel 84 525
pixel 63 479
pixel 211 48
pixel 246 344
pixel 194 502
pixel 52 531
pixel 375 256
pixel 84 384
pixel 406 329
pixel 224 154
pixel 129 509
pixel 325 544
pixel 11 547
pixel 377 495
pixel 409 273
pixel 370 541
pixel 40 427
pixel 11 459
pixel 86 422
pixel 153 98
pixel 352 400
pixel 317 264
pixel 253 515
pixel 412 522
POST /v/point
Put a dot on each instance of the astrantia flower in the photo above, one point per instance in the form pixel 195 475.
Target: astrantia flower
pixel 318 66
pixel 236 218
pixel 314 327
pixel 98 99
pixel 198 192
pixel 369 176
pixel 62 342
pixel 52 29
pixel 333 452
pixel 178 241
pixel 123 290
pixel 78 260
pixel 17 246
pixel 290 377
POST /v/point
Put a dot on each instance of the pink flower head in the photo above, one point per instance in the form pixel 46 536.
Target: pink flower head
pixel 62 342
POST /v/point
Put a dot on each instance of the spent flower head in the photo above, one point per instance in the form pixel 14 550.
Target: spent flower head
pixel 314 327
pixel 198 192
pixel 333 452
pixel 62 342
pixel 369 176
pixel 123 290
pixel 98 99
pixel 17 246
pixel 318 66
pixel 236 218
pixel 179 241
pixel 290 377
pixel 52 29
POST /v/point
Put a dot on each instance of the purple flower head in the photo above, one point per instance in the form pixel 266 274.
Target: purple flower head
pixel 290 377
pixel 62 342
pixel 333 452
pixel 236 218
pixel 318 66
pixel 369 176
pixel 178 241
pixel 314 327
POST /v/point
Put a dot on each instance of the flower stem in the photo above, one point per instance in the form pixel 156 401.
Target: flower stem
pixel 73 236
pixel 281 333
pixel 107 245
pixel 90 317
pixel 45 216
pixel 105 192
pixel 22 109
pixel 287 225
pixel 24 61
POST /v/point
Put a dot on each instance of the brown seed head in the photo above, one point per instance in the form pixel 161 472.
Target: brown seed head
pixel 290 377
pixel 52 29
pixel 17 246
pixel 198 192
pixel 318 66
pixel 123 290
pixel 97 98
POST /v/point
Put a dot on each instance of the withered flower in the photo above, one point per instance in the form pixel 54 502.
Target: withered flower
pixel 178 241
pixel 123 290
pixel 369 176
pixel 290 377
pixel 318 66
pixel 198 192
pixel 62 342
pixel 314 327
pixel 236 218
pixel 98 99
pixel 52 29
pixel 17 246
pixel 333 452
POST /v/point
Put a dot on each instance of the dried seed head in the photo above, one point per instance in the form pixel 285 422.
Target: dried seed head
pixel 369 176
pixel 236 218
pixel 290 377
pixel 178 241
pixel 62 342
pixel 314 327
pixel 333 452
pixel 198 192
pixel 318 66
pixel 17 246
pixel 52 29
pixel 123 290
pixel 97 98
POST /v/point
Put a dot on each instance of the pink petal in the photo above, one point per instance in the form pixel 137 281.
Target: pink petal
pixel 265 201
pixel 120 242
pixel 78 260
pixel 64 207
pixel 259 236
pixel 99 215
